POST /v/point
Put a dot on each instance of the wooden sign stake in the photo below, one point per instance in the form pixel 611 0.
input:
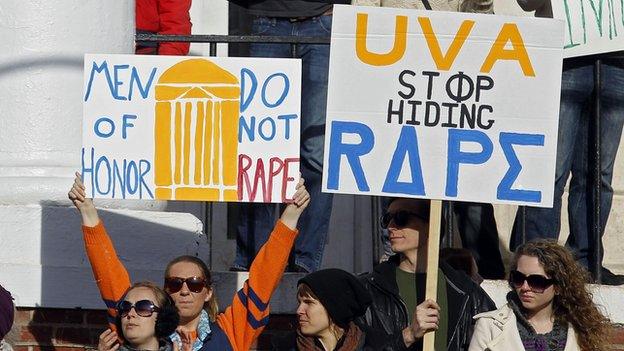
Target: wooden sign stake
pixel 433 251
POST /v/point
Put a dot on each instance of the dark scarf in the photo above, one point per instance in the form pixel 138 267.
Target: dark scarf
pixel 349 341
pixel 555 340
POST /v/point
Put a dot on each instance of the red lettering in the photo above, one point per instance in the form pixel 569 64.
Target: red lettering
pixel 242 174
pixel 273 172
pixel 286 178
pixel 260 176
pixel 264 178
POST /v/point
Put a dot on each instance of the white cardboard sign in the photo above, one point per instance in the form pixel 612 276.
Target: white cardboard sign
pixel 191 128
pixel 443 105
pixel 592 26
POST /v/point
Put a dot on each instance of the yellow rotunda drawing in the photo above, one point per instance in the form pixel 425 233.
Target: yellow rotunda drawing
pixel 196 132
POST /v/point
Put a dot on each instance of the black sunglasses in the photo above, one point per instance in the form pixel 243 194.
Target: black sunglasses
pixel 538 283
pixel 400 218
pixel 194 284
pixel 143 308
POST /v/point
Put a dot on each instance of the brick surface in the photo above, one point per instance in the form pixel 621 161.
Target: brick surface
pixel 42 335
pixel 58 316
pixel 72 336
pixel 23 316
pixel 57 348
pixel 96 317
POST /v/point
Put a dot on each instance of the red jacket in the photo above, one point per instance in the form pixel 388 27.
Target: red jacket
pixel 165 17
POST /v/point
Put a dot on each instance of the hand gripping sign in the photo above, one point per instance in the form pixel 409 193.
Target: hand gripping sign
pixel 179 128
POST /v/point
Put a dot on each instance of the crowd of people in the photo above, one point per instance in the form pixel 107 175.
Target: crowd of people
pixel 548 306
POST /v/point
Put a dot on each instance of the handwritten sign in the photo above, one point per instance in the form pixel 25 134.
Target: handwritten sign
pixel 443 105
pixel 592 26
pixel 180 128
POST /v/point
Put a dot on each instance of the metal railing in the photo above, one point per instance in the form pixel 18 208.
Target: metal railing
pixel 448 230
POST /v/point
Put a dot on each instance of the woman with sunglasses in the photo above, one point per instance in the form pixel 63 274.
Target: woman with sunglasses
pixel 548 309
pixel 188 280
pixel 146 316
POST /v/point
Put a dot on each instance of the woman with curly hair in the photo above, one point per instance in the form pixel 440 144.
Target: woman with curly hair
pixel 548 309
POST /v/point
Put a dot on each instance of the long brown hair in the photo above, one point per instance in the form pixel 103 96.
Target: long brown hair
pixel 211 305
pixel 573 302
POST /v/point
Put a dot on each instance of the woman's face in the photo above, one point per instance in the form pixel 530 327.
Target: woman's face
pixel 531 300
pixel 312 316
pixel 189 303
pixel 138 330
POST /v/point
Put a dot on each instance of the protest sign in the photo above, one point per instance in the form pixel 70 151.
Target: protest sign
pixel 442 105
pixel 180 128
pixel 592 26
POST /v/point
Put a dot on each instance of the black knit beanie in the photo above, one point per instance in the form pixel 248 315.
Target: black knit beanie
pixel 342 295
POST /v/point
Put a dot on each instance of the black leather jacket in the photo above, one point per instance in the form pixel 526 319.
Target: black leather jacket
pixel 389 314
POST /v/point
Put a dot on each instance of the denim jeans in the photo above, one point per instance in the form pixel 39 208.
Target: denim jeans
pixel 577 87
pixel 257 220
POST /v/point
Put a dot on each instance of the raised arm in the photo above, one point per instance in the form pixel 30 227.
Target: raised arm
pixel 245 319
pixel 110 275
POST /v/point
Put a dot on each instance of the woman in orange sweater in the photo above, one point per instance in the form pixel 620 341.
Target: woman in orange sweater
pixel 188 282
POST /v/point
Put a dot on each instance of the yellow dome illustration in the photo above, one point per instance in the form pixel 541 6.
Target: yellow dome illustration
pixel 196 132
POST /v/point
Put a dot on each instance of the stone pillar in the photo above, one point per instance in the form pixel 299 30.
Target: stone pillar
pixel 41 83
pixel 42 259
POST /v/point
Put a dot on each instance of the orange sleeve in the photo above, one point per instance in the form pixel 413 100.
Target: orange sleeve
pixel 245 319
pixel 110 275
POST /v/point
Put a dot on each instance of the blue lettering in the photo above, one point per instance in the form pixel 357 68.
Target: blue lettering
pixel 132 174
pixel 126 124
pixel 142 178
pixel 287 119
pixel 118 83
pixel 504 190
pixel 127 177
pixel 406 146
pixel 352 151
pixel 271 134
pixel 97 129
pixel 245 100
pixel 119 175
pixel 284 91
pixel 134 77
pixel 86 170
pixel 456 156
pixel 97 175
pixel 99 69
pixel 248 128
